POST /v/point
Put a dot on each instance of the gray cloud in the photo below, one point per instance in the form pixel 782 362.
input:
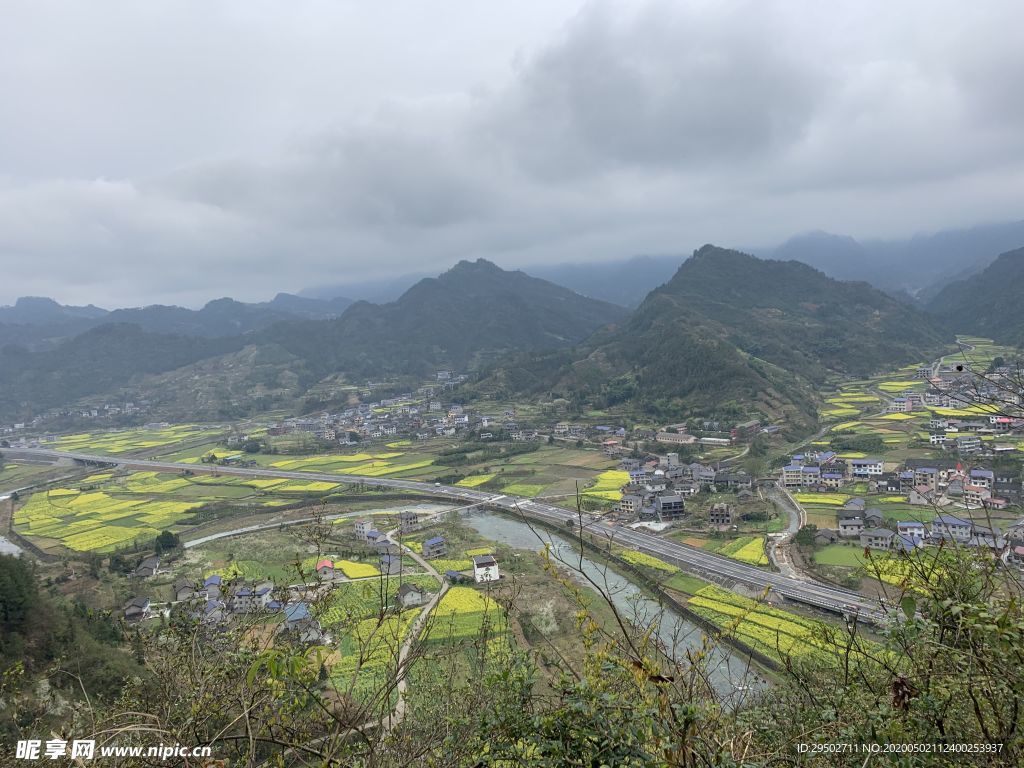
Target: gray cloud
pixel 185 151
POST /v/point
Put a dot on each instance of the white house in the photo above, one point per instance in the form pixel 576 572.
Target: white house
pixel 485 568
pixel 866 467
pixel 911 530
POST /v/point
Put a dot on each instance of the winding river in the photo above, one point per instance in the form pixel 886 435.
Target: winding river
pixel 731 675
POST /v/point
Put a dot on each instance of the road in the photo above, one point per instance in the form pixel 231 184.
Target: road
pixel 415 631
pixel 690 558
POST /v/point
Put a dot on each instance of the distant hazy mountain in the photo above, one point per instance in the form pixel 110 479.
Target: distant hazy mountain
pixel 35 310
pixel 920 265
pixel 624 282
pixel 729 328
pixel 987 303
pixel 307 308
pixel 379 291
pixel 39 322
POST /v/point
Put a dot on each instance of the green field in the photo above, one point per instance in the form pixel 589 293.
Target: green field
pixel 842 555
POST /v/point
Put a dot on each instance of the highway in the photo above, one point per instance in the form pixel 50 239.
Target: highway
pixel 690 558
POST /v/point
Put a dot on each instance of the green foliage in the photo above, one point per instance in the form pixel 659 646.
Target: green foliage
pixel 861 443
pixel 805 536
pixel 987 303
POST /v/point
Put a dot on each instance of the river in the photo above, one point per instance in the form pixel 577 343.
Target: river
pixel 730 674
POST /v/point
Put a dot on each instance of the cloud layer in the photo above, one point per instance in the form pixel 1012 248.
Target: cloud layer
pixel 183 151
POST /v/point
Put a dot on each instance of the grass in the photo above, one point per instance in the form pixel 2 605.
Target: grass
pixel 683 582
pixel 523 489
pixel 842 555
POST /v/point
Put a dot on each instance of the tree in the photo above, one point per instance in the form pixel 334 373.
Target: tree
pixel 805 536
pixel 167 541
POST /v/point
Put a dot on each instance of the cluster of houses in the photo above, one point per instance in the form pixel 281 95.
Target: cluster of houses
pixel 925 482
pixel 658 487
pixel 421 415
pixel 869 528
pixel 110 412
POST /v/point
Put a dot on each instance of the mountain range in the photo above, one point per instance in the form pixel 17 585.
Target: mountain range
pixel 730 331
pixel 727 332
pixel 919 266
pixel 42 322
pixel 914 268
pixel 474 312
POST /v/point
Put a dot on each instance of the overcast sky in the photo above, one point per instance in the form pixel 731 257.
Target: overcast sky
pixel 180 150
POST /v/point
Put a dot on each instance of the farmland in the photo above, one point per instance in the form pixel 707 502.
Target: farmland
pixel 607 484
pixel 746 549
pixel 105 511
pixel 367 598
pixel 773 632
pixel 647 561
pixel 135 440
pixel 463 614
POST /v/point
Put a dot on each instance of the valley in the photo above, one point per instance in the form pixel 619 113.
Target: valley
pixel 407 532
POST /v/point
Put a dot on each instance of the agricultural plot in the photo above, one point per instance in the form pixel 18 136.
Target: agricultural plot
pixel 888 568
pixel 647 561
pixel 830 499
pixel 746 549
pixel 367 652
pixel 775 633
pixel 133 440
pixel 607 485
pixel 104 512
pixel 463 614
pixel 359 600
pixel 474 481
pixel 894 387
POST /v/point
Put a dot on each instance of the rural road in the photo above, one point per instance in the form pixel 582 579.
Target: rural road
pixel 690 558
pixel 398 713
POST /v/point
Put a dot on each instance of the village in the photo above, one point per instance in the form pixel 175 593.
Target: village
pixel 397 567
